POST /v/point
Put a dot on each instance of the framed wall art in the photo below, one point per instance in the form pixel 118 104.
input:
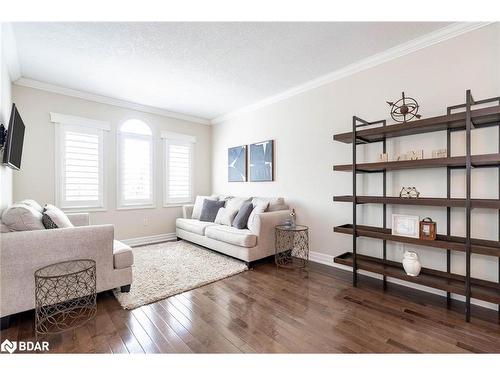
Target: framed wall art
pixel 262 161
pixel 237 164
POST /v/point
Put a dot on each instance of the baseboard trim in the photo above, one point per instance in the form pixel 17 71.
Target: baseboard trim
pixel 148 240
pixel 327 259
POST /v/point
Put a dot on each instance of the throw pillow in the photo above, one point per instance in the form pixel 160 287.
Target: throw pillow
pixel 53 218
pixel 21 217
pixel 4 228
pixel 275 204
pixel 241 219
pixel 232 207
pixel 258 209
pixel 198 205
pixel 220 215
pixel 210 210
pixel 32 203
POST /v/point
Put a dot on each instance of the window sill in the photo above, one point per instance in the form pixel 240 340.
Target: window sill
pixel 180 204
pixel 83 209
pixel 135 207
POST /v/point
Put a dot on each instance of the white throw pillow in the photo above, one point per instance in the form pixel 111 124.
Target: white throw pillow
pixel 220 215
pixel 233 205
pixel 257 209
pixel 20 217
pixel 53 218
pixel 275 204
pixel 198 205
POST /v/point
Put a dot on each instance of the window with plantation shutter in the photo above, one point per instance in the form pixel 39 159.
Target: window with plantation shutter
pixel 79 162
pixel 135 165
pixel 178 155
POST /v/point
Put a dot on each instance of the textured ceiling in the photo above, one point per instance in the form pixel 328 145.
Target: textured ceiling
pixel 200 69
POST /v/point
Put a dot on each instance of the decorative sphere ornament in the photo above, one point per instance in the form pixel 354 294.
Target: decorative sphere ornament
pixel 405 109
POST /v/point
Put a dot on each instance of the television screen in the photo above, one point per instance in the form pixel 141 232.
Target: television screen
pixel 15 137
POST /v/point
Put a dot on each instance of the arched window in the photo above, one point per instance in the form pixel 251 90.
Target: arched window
pixel 135 165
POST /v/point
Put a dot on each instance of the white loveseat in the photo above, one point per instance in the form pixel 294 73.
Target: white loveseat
pixel 245 244
pixel 23 252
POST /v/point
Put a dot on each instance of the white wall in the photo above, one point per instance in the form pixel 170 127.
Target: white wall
pixel 5 107
pixel 302 127
pixel 36 178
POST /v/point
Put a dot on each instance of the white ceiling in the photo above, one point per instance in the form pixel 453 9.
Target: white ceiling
pixel 198 69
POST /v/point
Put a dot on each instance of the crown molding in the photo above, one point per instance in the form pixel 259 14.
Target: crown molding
pixel 27 82
pixel 440 35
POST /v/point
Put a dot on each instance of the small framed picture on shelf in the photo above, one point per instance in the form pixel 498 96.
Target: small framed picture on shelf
pixel 405 225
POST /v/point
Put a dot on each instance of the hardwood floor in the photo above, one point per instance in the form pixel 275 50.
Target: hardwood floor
pixel 269 311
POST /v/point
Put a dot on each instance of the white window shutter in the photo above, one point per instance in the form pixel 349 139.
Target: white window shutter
pixel 178 172
pixel 80 172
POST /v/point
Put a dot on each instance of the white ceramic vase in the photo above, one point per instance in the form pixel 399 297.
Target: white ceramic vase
pixel 411 263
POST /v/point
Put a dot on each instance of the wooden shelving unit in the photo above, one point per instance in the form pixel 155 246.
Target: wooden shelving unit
pixel 466 120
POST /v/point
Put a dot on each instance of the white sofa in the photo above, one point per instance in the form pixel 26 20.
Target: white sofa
pixel 22 253
pixel 245 244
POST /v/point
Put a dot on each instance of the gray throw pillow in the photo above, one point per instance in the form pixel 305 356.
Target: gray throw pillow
pixel 54 218
pixel 241 219
pixel 210 209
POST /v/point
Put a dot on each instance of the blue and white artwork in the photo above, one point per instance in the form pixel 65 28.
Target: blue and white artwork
pixel 237 164
pixel 261 161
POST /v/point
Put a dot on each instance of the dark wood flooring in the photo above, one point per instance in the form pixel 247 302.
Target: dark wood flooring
pixel 266 310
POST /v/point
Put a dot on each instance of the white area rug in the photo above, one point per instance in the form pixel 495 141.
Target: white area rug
pixel 170 268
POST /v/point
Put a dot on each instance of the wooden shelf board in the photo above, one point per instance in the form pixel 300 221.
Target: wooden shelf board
pixel 483 117
pixel 480 289
pixel 479 246
pixel 487 160
pixel 421 201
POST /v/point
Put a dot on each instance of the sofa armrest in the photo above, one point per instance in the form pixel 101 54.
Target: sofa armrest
pixel 263 227
pixel 187 211
pixel 25 252
pixel 79 219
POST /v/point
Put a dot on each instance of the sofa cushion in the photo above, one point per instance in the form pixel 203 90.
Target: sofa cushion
pixel 275 204
pixel 53 218
pixel 235 236
pixel 193 225
pixel 122 255
pixel 241 219
pixel 210 209
pixel 198 205
pixel 233 205
pixel 21 217
pixel 259 208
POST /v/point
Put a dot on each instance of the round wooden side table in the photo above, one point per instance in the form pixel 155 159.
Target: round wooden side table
pixel 65 296
pixel 291 246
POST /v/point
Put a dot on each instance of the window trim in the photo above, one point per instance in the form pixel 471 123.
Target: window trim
pixel 120 204
pixel 179 139
pixel 62 123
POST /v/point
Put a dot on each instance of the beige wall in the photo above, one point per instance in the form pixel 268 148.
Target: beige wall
pixel 36 179
pixel 302 127
pixel 5 107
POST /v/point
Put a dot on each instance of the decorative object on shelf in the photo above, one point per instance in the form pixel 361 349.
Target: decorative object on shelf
pixel 405 109
pixel 262 161
pixel 291 246
pixel 427 229
pixel 405 225
pixel 237 164
pixel 440 153
pixel 409 193
pixel 411 263
pixel 415 155
pixel 383 157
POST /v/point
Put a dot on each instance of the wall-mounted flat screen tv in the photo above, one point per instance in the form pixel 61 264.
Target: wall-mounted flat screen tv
pixel 13 150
